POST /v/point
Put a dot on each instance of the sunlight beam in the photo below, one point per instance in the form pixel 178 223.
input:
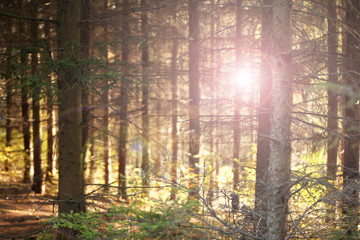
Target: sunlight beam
pixel 244 79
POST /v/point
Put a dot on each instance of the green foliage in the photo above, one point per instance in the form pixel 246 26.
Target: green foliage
pixel 89 225
pixel 38 77
pixel 341 235
pixel 32 75
pixel 141 220
pixel 162 220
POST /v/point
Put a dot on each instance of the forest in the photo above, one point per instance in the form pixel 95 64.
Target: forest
pixel 179 119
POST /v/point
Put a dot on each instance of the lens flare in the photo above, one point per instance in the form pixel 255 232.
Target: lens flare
pixel 244 79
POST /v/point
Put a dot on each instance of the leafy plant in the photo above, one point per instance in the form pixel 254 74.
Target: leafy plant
pixel 89 225
pixel 141 220
pixel 162 220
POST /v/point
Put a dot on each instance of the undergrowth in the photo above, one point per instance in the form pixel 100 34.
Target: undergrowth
pixel 158 220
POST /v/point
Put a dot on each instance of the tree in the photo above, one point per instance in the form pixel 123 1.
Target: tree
pixel 351 140
pixel 25 121
pixel 38 176
pixel 263 139
pixel 70 145
pixel 9 94
pixel 280 143
pixel 145 165
pixel 105 97
pixel 194 95
pixel 123 134
pixel 237 107
pixel 213 109
pixel 174 107
pixel 85 53
pixel 332 122
pixel 50 116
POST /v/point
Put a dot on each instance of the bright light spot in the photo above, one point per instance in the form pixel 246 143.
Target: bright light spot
pixel 244 79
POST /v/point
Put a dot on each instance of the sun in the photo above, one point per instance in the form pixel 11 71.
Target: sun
pixel 244 78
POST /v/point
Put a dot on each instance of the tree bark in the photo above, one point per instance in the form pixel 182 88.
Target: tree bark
pixel 50 142
pixel 8 126
pixel 145 165
pixel 332 122
pixel 70 129
pixel 237 109
pixel 9 95
pixel 85 98
pixel 158 133
pixel 125 52
pixel 194 96
pixel 264 125
pixel 50 117
pixel 351 122
pixel 38 176
pixel 212 111
pixel 174 106
pixel 280 142
pixel 105 98
pixel 25 121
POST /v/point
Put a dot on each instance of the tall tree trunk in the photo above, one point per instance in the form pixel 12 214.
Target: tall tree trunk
pixel 194 95
pixel 263 139
pixel 332 122
pixel 174 89
pixel 25 121
pixel 125 52
pixel 70 129
pixel 237 107
pixel 351 122
pixel 8 126
pixel 92 166
pixel 50 142
pixel 105 98
pixel 145 166
pixel 280 142
pixel 50 125
pixel 9 95
pixel 85 48
pixel 38 176
pixel 213 108
pixel 218 111
pixel 158 133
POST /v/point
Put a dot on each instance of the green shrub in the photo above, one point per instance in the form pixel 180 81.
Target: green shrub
pixel 150 220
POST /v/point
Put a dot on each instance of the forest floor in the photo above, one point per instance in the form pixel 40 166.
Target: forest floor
pixel 22 214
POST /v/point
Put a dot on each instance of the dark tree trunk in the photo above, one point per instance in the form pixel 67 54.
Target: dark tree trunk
pixel 125 51
pixel 50 108
pixel 158 144
pixel 351 123
pixel 38 176
pixel 25 122
pixel 105 98
pixel 237 107
pixel 212 111
pixel 332 122
pixel 70 129
pixel 145 165
pixel 194 95
pixel 8 126
pixel 85 48
pixel 263 139
pixel 174 89
pixel 50 143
